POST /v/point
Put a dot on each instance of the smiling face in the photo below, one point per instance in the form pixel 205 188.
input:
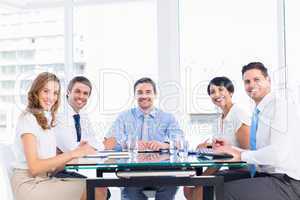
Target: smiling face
pixel 48 95
pixel 144 94
pixel 78 96
pixel 220 96
pixel 256 84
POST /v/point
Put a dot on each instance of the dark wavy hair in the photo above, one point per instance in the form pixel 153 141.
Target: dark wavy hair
pixel 34 106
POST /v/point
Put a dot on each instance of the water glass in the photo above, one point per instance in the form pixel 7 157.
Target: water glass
pixel 183 149
pixel 124 143
pixel 173 144
pixel 132 144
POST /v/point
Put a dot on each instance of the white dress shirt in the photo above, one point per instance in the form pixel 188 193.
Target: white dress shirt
pixel 277 138
pixel 65 131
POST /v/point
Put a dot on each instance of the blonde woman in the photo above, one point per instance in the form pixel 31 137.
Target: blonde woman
pixel 36 148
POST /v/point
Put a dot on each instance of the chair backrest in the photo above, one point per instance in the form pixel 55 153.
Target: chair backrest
pixel 7 158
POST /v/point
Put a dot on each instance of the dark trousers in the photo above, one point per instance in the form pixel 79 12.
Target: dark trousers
pixel 229 175
pixel 263 187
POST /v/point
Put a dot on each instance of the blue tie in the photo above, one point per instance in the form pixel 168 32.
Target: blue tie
pixel 77 126
pixel 145 128
pixel 253 129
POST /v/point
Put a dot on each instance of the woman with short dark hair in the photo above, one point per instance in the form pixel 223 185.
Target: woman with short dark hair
pixel 235 124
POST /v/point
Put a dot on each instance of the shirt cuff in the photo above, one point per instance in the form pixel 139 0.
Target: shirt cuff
pixel 247 156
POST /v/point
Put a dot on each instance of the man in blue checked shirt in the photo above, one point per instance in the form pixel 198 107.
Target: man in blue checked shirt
pixel 151 126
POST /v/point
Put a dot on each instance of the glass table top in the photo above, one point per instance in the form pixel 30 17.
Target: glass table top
pixel 150 160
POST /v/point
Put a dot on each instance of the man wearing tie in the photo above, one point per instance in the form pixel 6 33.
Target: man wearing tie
pixel 274 143
pixel 73 125
pixel 151 126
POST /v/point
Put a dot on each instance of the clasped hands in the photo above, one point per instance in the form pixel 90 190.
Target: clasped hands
pixel 152 145
pixel 111 142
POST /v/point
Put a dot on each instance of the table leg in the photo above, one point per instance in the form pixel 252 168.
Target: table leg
pixel 90 190
pixel 219 189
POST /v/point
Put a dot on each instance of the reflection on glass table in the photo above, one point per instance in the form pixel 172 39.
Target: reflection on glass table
pixel 152 160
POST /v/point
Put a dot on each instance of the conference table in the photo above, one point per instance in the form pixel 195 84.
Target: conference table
pixel 151 169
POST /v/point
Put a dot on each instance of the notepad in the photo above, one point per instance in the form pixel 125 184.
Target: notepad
pixel 210 152
pixel 110 154
pixel 154 151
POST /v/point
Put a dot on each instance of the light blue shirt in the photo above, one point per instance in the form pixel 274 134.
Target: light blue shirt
pixel 161 125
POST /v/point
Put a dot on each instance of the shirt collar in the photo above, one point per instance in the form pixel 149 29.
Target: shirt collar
pixel 265 101
pixel 70 110
pixel 140 113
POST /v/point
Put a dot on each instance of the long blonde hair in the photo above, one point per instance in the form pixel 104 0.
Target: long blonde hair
pixel 34 106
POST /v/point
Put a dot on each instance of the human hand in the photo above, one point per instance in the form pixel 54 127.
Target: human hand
pixel 82 150
pixel 205 144
pixel 109 143
pixel 142 145
pixel 156 146
pixel 218 142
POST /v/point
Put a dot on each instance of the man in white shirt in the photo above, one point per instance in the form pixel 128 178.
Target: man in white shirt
pixel 274 141
pixel 74 126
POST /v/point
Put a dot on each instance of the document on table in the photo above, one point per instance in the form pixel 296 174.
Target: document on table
pixel 110 154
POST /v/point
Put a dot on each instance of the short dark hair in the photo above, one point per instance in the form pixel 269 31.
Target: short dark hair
pixel 145 80
pixel 221 81
pixel 80 79
pixel 256 65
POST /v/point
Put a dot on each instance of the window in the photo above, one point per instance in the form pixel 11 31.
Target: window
pixel 8 56
pixel 8 84
pixel 23 36
pixel 8 69
pixel 27 55
pixel 116 44
pixel 217 38
pixel 25 68
pixel 293 48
